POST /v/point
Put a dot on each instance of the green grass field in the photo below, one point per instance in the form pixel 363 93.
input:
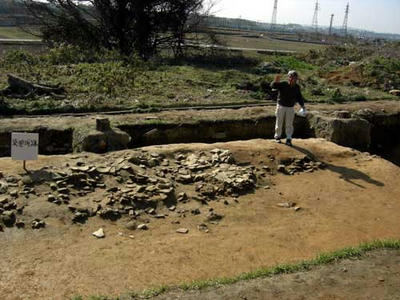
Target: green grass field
pixel 14 33
pixel 104 81
pixel 265 42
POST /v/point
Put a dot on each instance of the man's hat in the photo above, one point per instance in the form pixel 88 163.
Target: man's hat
pixel 293 73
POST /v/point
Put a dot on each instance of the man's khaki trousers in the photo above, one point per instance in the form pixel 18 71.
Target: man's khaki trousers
pixel 284 115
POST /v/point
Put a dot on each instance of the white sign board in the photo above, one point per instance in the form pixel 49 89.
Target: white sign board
pixel 24 146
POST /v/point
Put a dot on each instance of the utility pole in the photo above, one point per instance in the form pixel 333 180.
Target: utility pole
pixel 274 14
pixel 315 18
pixel 346 19
pixel 330 26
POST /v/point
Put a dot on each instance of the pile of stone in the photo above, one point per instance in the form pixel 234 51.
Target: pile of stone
pixel 299 165
pixel 140 184
pixel 10 211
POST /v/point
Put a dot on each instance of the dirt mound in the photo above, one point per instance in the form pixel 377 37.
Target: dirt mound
pixel 208 210
pixel 349 75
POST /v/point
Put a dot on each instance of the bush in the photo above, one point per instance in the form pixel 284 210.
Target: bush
pixel 358 98
pixel 68 54
pixel 291 62
pixel 19 57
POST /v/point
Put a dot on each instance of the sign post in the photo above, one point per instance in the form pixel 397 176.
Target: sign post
pixel 24 146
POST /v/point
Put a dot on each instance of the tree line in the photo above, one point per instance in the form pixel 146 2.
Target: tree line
pixel 143 27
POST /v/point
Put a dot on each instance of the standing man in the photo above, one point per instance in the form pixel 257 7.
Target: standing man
pixel 288 94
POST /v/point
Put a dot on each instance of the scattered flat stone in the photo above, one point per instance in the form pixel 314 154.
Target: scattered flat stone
pixel 196 212
pixel 80 217
pixel 3 187
pixel 27 180
pixel 14 194
pixel 63 190
pixel 37 224
pixel 182 230
pixel 150 211
pixel 286 204
pixel 72 208
pixel 99 233
pixel 281 168
pixel 142 227
pixel 159 216
pixel 296 208
pixel 131 225
pixel 112 189
pixel 202 227
pixel 104 170
pixel 185 179
pixel 8 218
pixel 213 216
pixel 20 224
pixel 172 208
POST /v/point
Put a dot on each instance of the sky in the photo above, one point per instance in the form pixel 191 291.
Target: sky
pixel 375 15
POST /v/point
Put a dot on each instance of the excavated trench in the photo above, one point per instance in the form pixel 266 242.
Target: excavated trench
pixel 385 136
pixel 376 133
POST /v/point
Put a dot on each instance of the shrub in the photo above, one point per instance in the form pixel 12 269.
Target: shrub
pixel 291 62
pixel 19 57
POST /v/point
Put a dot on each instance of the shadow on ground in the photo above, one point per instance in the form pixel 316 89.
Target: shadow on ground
pixel 348 174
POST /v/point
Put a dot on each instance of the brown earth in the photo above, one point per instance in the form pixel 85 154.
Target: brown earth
pixel 375 276
pixel 355 199
pixel 348 75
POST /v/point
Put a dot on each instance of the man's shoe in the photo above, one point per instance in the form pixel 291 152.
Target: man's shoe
pixel 278 140
pixel 289 142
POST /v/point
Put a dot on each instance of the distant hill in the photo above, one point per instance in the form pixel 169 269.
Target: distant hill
pixel 243 24
pixel 11 7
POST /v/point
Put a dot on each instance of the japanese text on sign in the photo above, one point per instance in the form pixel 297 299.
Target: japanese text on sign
pixel 24 146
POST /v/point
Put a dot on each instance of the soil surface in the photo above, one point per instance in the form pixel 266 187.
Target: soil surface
pixel 352 197
pixel 376 276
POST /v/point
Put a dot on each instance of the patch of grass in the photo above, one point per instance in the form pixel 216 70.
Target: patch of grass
pixel 12 32
pixel 292 62
pixel 110 83
pixel 243 41
pixel 105 81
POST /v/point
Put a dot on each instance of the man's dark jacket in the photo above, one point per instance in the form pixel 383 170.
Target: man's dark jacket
pixel 288 96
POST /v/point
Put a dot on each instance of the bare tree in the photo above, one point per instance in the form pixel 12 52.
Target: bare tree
pixel 142 26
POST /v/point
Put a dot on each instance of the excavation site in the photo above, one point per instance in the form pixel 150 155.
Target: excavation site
pixel 166 150
pixel 99 220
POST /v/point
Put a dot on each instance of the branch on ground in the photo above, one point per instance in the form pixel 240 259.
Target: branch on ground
pixel 24 89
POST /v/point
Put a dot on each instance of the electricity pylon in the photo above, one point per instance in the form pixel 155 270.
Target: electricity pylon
pixel 346 19
pixel 330 26
pixel 274 14
pixel 315 18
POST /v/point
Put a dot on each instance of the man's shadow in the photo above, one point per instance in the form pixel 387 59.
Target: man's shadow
pixel 345 173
